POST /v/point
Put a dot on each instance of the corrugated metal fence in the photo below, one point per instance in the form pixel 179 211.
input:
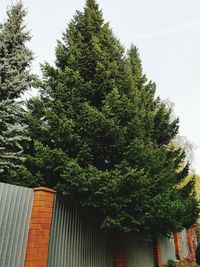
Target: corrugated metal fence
pixel 140 252
pixel 184 247
pixel 15 213
pixel 77 242
pixel 167 249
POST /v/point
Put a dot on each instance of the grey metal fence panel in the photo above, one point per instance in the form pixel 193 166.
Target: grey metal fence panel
pixel 140 252
pixel 183 242
pixel 15 214
pixel 168 251
pixel 75 242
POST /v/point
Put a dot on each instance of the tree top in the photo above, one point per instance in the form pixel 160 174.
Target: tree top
pixel 91 4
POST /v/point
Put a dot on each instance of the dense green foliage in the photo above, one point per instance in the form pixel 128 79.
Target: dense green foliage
pixel 101 138
pixel 15 78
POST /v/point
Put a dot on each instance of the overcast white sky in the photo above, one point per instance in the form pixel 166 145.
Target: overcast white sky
pixel 167 33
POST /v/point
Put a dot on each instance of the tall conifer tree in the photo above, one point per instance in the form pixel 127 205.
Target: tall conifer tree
pixel 103 139
pixel 15 59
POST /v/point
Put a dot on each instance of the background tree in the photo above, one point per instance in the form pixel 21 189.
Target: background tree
pixel 15 78
pixel 101 138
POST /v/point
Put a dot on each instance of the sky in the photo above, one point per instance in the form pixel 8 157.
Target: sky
pixel 166 32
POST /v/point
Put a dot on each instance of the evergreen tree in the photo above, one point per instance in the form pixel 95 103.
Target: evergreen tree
pixel 15 59
pixel 103 139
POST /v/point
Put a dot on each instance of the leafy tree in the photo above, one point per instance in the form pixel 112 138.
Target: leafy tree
pixel 15 59
pixel 101 138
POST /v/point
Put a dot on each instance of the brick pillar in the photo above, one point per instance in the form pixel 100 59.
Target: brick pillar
pixel 158 256
pixel 121 253
pixel 190 240
pixel 191 243
pixel 40 225
pixel 177 246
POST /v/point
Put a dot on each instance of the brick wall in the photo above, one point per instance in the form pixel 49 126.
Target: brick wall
pixel 39 231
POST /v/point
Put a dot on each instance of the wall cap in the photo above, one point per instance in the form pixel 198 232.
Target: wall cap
pixel 46 189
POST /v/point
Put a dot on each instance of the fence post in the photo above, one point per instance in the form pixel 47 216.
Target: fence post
pixel 158 256
pixel 191 243
pixel 177 246
pixel 189 240
pixel 40 226
pixel 121 253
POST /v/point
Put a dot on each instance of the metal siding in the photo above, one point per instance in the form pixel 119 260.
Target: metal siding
pixel 140 252
pixel 75 242
pixel 183 242
pixel 15 214
pixel 167 249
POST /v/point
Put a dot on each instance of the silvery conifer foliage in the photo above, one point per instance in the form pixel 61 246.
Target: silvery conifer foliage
pixel 12 135
pixel 15 79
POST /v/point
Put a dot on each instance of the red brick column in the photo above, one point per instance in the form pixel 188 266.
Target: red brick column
pixel 40 225
pixel 191 243
pixel 121 256
pixel 190 240
pixel 158 254
pixel 177 246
